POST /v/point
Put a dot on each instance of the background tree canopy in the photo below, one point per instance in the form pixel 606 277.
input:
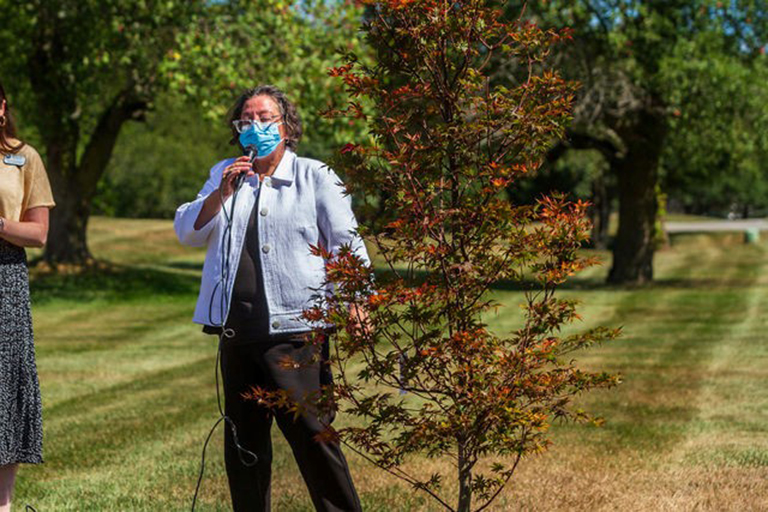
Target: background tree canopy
pixel 715 158
pixel 162 163
pixel 672 100
pixel 645 69
pixel 80 70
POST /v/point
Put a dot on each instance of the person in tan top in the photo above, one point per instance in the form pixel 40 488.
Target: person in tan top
pixel 25 199
pixel 25 194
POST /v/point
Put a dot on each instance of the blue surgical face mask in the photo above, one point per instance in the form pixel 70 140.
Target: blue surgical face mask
pixel 264 137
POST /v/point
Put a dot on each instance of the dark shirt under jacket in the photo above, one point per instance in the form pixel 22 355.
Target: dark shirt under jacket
pixel 248 314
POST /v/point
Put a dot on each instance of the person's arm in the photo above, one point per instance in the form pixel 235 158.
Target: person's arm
pixel 335 218
pixel 212 204
pixel 30 231
pixel 338 227
pixel 359 319
pixel 193 221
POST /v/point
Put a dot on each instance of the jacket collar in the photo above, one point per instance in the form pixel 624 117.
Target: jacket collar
pixel 284 171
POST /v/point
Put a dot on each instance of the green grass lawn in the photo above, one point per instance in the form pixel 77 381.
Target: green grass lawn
pixel 128 389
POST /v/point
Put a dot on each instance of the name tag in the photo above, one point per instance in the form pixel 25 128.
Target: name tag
pixel 17 160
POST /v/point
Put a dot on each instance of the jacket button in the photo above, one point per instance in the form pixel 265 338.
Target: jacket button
pixel 266 248
pixel 264 211
pixel 275 324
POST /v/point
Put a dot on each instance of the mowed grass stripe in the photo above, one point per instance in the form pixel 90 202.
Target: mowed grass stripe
pixel 732 417
pixel 648 412
pixel 669 340
pixel 675 331
pixel 128 397
pixel 121 438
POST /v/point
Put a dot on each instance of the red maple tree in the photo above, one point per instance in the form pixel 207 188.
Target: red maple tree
pixel 447 139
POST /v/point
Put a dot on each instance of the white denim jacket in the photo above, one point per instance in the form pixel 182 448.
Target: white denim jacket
pixel 302 203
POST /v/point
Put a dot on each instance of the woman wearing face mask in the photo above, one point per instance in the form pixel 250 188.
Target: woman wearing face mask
pixel 25 197
pixel 258 277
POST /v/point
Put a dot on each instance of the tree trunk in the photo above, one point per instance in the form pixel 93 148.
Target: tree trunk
pixel 67 243
pixel 465 482
pixel 58 117
pixel 637 174
pixel 600 212
pixel 59 120
pixel 74 185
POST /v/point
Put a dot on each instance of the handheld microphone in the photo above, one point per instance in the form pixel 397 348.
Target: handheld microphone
pixel 250 151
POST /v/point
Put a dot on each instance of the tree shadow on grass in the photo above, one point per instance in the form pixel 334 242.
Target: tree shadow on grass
pixel 119 283
pixel 507 285
pixel 111 282
pixel 185 265
pixel 598 283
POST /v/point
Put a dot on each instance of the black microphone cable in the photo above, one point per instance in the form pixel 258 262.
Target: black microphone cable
pixel 226 332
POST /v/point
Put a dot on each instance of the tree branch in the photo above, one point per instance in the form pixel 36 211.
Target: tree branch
pixel 126 106
pixel 579 140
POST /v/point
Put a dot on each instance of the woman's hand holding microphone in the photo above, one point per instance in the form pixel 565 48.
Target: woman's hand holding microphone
pixel 212 205
pixel 242 165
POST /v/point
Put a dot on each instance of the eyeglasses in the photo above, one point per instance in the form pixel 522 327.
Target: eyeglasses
pixel 241 125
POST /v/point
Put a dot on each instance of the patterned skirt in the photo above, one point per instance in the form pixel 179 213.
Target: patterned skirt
pixel 21 415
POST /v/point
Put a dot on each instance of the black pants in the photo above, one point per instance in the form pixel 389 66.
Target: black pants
pixel 323 466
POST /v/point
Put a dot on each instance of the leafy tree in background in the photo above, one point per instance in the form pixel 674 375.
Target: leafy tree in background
pixel 80 70
pixel 176 145
pixel 160 163
pixel 716 158
pixel 243 43
pixel 447 144
pixel 625 53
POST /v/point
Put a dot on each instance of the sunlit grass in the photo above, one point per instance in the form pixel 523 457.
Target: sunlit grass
pixel 128 389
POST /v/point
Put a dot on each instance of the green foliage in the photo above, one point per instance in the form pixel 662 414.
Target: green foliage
pixel 447 143
pixel 79 55
pixel 159 164
pixel 243 43
pixel 715 157
pixel 628 56
pixel 624 46
pixel 81 70
pixel 703 60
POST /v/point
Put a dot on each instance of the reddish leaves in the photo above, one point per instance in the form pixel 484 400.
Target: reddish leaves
pixel 444 146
